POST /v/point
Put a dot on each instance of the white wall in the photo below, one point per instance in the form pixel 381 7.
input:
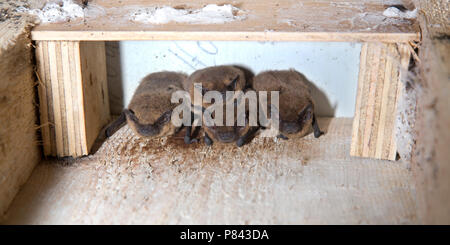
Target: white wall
pixel 331 67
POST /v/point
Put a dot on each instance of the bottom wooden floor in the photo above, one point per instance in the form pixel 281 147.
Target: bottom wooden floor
pixel 299 181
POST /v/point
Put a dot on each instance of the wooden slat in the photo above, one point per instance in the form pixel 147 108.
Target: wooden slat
pixel 360 116
pixel 298 181
pixel 76 109
pixel 359 94
pixel 42 92
pixel 37 34
pixel 264 20
pixel 47 82
pixel 370 148
pixel 386 89
pixel 53 70
pixel 376 103
pixel 95 90
pixel 80 102
pixel 372 89
pixel 62 98
pixel 405 56
pixel 73 77
pixel 65 58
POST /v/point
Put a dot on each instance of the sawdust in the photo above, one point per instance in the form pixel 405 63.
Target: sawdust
pixel 131 180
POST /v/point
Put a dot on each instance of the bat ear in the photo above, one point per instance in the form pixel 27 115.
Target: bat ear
pixel 171 87
pixel 306 114
pixel 165 117
pixel 204 91
pixel 232 86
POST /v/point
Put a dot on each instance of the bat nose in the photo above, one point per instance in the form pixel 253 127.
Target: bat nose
pixel 226 137
pixel 289 127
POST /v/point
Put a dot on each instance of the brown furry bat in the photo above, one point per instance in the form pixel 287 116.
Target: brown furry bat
pixel 408 4
pixel 296 108
pixel 222 79
pixel 228 134
pixel 150 110
pixel 216 78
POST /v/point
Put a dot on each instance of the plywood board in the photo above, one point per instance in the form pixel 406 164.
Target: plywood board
pixel 131 180
pixel 430 161
pixel 379 84
pixel 280 20
pixel 73 95
pixel 19 144
pixel 95 90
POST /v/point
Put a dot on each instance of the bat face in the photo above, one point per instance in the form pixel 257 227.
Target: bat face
pixel 216 78
pixel 301 124
pixel 296 109
pixel 227 134
pixel 164 126
pixel 149 112
pixel 221 79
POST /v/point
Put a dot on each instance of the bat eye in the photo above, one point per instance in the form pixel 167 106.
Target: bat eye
pixel 204 91
pixel 165 117
pixel 232 86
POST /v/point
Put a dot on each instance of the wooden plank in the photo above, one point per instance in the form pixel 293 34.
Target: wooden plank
pixel 361 101
pixel 370 148
pixel 47 81
pixel 73 49
pixel 80 100
pixel 19 146
pixel 95 90
pixel 53 69
pixel 378 89
pixel 405 56
pixel 67 78
pixel 430 161
pixel 298 181
pixel 386 89
pixel 43 95
pixel 62 98
pixel 75 89
pixel 359 94
pixel 36 34
pixel 370 107
pixel 288 20
pixel 388 149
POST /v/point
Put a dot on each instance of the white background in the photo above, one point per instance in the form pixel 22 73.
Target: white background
pixel 331 67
